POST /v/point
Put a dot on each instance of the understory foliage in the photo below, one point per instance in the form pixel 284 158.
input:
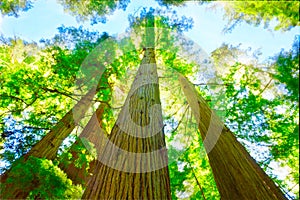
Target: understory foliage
pixel 41 82
pixel 50 182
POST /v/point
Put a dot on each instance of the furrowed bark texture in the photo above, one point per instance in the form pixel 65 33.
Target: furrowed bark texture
pixel 134 160
pixel 236 173
pixel 79 175
pixel 48 146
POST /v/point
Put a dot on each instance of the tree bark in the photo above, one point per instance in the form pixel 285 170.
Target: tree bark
pixel 134 161
pixel 236 173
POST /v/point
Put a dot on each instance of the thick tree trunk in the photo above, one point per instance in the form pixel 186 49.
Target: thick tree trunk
pixel 48 146
pixel 134 160
pixel 79 175
pixel 236 173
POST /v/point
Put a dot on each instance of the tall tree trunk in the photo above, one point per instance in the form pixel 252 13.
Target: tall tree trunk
pixel 134 160
pixel 79 175
pixel 48 146
pixel 236 173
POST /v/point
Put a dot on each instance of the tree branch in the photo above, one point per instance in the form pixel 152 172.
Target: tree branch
pixel 266 86
pixel 59 92
pixel 180 120
pixel 198 84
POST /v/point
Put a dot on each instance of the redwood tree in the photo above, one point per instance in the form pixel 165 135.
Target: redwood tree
pixel 133 164
pixel 236 173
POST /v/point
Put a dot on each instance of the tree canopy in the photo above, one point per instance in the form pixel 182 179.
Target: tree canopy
pixel 283 15
pixel 43 82
pixel 12 8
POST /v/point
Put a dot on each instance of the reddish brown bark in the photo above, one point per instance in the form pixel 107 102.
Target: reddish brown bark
pixel 134 160
pixel 134 176
pixel 79 175
pixel 236 173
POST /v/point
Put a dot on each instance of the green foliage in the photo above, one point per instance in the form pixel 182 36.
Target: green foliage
pixel 176 177
pixel 85 153
pixel 287 70
pixel 176 2
pixel 284 119
pixel 18 139
pixel 26 83
pixel 262 107
pixel 45 179
pixel 13 7
pixel 164 19
pixel 284 13
pixel 95 11
pixel 38 85
pixel 191 176
pixel 171 2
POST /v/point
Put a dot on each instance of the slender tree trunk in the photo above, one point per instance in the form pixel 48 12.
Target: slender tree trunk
pixel 134 160
pixel 79 175
pixel 236 173
pixel 48 146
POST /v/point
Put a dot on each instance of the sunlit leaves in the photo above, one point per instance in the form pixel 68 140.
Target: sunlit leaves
pixel 174 2
pixel 38 87
pixel 95 11
pixel 262 106
pixel 284 14
pixel 49 181
pixel 38 84
pixel 287 67
pixel 13 7
pixel 79 155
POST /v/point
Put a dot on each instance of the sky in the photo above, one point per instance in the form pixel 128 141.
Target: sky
pixel 42 20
